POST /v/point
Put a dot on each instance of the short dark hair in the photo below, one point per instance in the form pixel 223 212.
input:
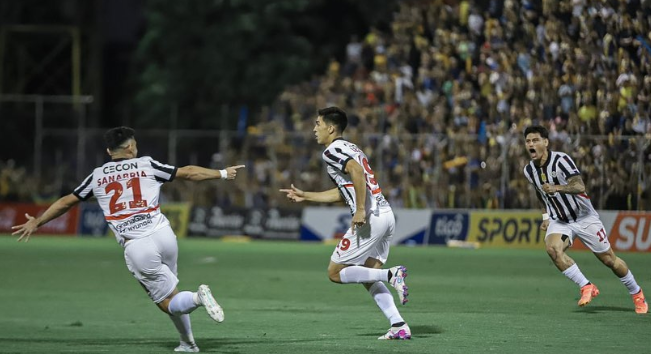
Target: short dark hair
pixel 117 136
pixel 544 133
pixel 335 116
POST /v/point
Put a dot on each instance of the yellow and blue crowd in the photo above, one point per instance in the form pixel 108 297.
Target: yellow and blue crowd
pixel 439 100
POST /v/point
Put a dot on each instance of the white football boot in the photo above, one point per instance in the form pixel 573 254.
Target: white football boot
pixel 208 301
pixel 186 347
pixel 399 273
pixel 402 332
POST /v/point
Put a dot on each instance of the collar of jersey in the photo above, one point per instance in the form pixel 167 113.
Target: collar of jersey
pixel 120 159
pixel 549 158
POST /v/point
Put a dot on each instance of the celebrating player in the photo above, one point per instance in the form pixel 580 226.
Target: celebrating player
pixel 569 214
pixel 128 189
pixel 361 253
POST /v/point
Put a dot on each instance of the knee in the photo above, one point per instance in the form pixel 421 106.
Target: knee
pixel 554 252
pixel 165 306
pixel 609 261
pixel 333 275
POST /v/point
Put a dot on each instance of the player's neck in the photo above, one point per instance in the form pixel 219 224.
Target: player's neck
pixel 121 157
pixel 543 159
pixel 333 140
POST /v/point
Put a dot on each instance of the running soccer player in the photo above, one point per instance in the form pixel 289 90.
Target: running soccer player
pixel 363 250
pixel 128 189
pixel 569 214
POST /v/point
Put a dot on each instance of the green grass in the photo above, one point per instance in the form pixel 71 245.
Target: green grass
pixel 75 295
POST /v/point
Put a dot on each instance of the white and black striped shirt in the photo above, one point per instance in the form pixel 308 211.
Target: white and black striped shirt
pixel 339 153
pixel 128 191
pixel 558 168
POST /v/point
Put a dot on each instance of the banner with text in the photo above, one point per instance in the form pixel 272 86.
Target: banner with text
pixel 91 221
pixel 324 223
pixel 273 223
pixel 14 214
pixel 448 226
pixel 506 229
pixel 627 231
pixel 631 231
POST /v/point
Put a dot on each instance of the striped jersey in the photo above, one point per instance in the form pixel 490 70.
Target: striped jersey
pixel 128 192
pixel 558 168
pixel 336 156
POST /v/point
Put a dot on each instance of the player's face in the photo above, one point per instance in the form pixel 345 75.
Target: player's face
pixel 536 145
pixel 321 131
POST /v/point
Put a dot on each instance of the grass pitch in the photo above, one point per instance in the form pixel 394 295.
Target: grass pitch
pixel 75 295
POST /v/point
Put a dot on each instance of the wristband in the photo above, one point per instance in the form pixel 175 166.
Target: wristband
pixel 223 174
pixel 545 216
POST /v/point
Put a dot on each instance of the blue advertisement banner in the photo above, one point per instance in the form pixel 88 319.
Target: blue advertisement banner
pixel 448 226
pixel 91 221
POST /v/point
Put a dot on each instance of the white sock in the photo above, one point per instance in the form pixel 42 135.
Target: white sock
pixel 182 324
pixel 384 301
pixel 182 302
pixel 574 274
pixel 629 281
pixel 359 274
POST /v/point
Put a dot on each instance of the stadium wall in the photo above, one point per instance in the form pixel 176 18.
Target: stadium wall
pixel 628 231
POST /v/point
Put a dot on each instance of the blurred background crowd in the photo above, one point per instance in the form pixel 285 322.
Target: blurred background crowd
pixel 439 100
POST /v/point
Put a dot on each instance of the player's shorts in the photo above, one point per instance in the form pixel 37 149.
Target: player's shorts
pixel 152 260
pixel 589 229
pixel 369 241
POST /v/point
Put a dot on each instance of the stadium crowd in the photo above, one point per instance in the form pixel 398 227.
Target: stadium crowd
pixel 443 96
pixel 440 98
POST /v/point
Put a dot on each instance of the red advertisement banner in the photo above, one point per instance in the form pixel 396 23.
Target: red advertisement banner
pixel 14 214
pixel 631 232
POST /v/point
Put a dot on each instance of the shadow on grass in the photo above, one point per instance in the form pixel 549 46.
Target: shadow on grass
pixel 206 344
pixel 598 309
pixel 417 331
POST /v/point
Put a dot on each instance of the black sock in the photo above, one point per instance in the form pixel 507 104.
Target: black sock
pixel 398 324
pixel 390 276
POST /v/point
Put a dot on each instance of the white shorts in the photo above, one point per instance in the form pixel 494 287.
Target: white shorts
pixel 152 261
pixel 369 241
pixel 589 229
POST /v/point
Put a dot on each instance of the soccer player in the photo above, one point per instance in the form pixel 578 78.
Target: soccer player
pixel 569 214
pixel 363 250
pixel 128 189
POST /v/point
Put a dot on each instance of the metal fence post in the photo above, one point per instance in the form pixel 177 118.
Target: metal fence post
pixel 38 136
pixel 81 138
pixel 173 135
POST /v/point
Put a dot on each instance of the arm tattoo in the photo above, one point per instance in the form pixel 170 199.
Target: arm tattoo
pixel 574 186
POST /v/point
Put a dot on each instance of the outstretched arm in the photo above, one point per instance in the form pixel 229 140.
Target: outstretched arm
pixel 296 195
pixel 55 210
pixel 198 173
